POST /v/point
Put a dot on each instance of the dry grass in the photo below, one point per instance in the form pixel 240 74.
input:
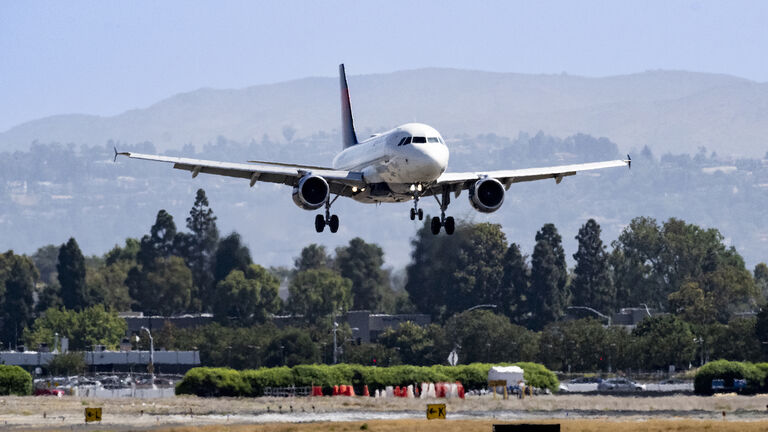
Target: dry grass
pixel 587 413
pixel 486 425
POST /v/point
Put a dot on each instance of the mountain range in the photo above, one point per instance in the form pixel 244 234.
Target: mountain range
pixel 668 111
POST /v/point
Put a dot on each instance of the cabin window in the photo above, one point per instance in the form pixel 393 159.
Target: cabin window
pixel 433 140
pixel 419 140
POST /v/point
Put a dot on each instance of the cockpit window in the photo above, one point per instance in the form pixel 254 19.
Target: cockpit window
pixel 419 140
pixel 401 141
pixel 433 140
pixel 407 140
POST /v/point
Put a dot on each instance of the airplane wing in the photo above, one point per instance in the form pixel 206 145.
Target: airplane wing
pixel 456 182
pixel 339 182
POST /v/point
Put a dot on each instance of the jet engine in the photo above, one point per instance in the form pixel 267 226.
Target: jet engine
pixel 311 192
pixel 486 195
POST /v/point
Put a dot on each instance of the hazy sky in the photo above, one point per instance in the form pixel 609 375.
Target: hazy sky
pixel 105 57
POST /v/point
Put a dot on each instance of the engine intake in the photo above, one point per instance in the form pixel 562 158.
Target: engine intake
pixel 311 192
pixel 486 195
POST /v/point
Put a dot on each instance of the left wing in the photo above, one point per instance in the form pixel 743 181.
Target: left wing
pixel 340 182
pixel 456 182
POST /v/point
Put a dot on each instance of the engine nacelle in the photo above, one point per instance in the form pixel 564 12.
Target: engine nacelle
pixel 311 192
pixel 486 195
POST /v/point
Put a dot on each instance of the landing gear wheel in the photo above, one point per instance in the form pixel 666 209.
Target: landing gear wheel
pixel 436 225
pixel 421 214
pixel 319 223
pixel 413 214
pixel 333 224
pixel 450 225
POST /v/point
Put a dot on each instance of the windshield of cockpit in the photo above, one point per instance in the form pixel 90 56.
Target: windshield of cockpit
pixel 419 140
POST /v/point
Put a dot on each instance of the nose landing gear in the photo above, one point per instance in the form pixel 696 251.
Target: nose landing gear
pixel 443 222
pixel 331 220
pixel 416 211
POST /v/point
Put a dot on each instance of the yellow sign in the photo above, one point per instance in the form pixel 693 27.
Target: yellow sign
pixel 92 415
pixel 435 411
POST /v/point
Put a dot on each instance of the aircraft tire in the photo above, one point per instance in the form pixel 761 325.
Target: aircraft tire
pixel 421 214
pixel 319 223
pixel 333 224
pixel 450 225
pixel 435 225
pixel 413 214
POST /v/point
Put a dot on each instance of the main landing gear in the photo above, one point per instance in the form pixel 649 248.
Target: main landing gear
pixel 331 220
pixel 445 222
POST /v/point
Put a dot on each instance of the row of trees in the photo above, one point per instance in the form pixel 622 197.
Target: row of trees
pixel 673 267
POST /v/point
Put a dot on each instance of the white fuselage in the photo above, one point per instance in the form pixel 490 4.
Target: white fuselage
pixel 391 162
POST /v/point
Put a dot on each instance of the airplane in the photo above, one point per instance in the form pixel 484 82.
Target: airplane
pixel 407 163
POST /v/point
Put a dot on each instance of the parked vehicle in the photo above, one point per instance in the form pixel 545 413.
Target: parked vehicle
pixel 581 384
pixel 49 392
pixel 620 385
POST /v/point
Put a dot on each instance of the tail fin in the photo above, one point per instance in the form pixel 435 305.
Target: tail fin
pixel 347 124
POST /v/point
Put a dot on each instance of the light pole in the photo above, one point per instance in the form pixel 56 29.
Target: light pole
pixel 490 306
pixel 151 353
pixel 593 311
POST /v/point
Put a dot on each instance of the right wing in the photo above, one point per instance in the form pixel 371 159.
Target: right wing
pixel 458 181
pixel 340 182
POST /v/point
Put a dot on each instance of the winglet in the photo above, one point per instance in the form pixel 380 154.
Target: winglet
pixel 629 161
pixel 117 153
pixel 347 124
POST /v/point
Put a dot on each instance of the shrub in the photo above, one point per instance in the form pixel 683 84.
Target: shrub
pixel 228 382
pixel 729 371
pixel 15 381
pixel 213 382
pixel 71 363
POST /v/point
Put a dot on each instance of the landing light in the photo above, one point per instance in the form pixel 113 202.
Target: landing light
pixel 413 188
pixel 354 189
pixel 419 187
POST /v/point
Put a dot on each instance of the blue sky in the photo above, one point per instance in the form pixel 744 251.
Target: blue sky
pixel 105 57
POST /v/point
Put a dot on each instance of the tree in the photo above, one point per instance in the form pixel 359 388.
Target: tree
pixel 361 263
pixel 198 247
pixel 291 347
pixel 636 262
pixel 125 254
pixel 17 281
pixel 761 330
pixel 592 285
pixel 547 295
pixel 107 285
pixel 161 241
pixel 577 345
pixel 761 280
pixel 230 255
pixel 91 326
pixel 483 336
pixel 247 298
pixel 661 341
pixel 416 345
pixel 45 259
pixel 449 274
pixel 313 256
pixel 165 289
pixel 319 293
pixel 71 269
pixel 515 283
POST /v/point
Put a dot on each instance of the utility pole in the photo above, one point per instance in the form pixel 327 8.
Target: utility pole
pixel 335 346
pixel 151 354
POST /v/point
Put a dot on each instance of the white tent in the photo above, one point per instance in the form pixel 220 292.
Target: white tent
pixel 511 374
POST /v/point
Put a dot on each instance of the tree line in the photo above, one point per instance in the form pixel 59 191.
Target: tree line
pixel 673 267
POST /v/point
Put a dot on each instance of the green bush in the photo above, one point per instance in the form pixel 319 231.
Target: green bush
pixel 213 382
pixel 228 382
pixel 539 376
pixel 15 381
pixel 729 371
